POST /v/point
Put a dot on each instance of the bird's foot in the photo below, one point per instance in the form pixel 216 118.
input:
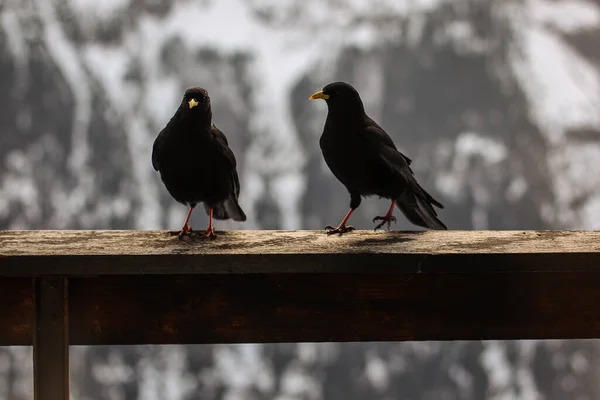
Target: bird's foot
pixel 210 234
pixel 330 230
pixel 185 231
pixel 386 219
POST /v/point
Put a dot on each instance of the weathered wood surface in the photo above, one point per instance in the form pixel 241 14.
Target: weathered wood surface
pixel 127 287
pixel 28 253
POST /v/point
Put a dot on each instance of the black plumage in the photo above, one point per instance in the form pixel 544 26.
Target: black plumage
pixel 196 164
pixel 364 158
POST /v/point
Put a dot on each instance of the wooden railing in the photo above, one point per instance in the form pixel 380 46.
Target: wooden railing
pixel 145 287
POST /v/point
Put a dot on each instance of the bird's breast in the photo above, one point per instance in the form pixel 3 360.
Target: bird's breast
pixel 349 160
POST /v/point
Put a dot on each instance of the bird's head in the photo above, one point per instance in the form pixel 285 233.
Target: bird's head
pixel 339 95
pixel 195 100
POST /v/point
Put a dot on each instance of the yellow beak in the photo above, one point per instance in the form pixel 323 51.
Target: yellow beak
pixel 192 103
pixel 319 95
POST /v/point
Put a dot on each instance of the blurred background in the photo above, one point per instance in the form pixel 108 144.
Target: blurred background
pixel 496 101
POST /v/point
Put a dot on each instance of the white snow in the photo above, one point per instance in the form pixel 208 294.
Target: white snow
pixel 524 371
pixel 241 366
pixel 66 58
pixel 13 28
pixel 566 15
pixel 91 12
pixel 468 146
pixel 18 184
pixel 377 371
pixel 563 89
pixel 470 143
pixel 129 102
pixel 498 369
pixel 510 380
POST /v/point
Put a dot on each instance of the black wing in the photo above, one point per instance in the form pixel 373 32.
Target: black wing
pixel 156 148
pixel 160 139
pixel 223 147
pixel 389 156
pixel 230 207
pixel 376 133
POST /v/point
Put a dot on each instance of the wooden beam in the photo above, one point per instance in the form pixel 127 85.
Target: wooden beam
pixel 333 307
pixel 51 339
pixel 329 307
pixel 91 253
pixel 16 311
pixel 128 287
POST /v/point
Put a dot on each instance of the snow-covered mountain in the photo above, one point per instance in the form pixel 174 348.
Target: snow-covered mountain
pixel 497 103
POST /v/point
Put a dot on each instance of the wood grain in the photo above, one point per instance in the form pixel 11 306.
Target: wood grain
pixel 319 307
pixel 333 307
pixel 90 253
pixel 128 287
pixel 323 307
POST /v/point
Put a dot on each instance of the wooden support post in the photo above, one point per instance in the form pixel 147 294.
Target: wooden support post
pixel 51 338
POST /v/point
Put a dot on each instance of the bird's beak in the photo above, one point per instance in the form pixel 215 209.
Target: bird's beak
pixel 192 103
pixel 319 95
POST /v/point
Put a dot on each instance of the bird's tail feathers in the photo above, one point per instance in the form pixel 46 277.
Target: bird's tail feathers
pixel 422 193
pixel 433 201
pixel 234 210
pixel 229 209
pixel 416 205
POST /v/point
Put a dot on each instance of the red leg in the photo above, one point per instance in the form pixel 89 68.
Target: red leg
pixel 210 231
pixel 342 228
pixel 186 229
pixel 387 218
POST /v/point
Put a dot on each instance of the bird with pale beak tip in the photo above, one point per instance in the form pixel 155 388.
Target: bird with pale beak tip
pixel 196 164
pixel 193 103
pixel 364 158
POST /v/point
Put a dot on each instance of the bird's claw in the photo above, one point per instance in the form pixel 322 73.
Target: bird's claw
pixel 185 231
pixel 330 230
pixel 385 219
pixel 210 234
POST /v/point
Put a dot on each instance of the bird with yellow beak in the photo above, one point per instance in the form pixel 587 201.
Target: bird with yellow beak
pixel 366 161
pixel 196 164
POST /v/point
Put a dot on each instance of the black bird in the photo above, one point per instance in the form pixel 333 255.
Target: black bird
pixel 364 158
pixel 196 164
